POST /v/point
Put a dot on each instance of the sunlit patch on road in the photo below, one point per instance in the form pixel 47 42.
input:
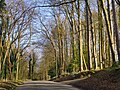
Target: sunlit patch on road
pixel 44 85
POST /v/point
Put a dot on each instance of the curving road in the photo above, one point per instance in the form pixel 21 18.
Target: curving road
pixel 44 85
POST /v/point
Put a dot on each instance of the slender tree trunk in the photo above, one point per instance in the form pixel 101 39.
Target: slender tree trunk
pixel 66 50
pixel 88 36
pixel 100 26
pixel 110 24
pixel 62 53
pixel 72 37
pixel 0 48
pixel 108 31
pixel 18 56
pixel 56 62
pixel 93 40
pixel 80 52
pixel 29 73
pixel 116 33
pixel 59 46
pixel 118 18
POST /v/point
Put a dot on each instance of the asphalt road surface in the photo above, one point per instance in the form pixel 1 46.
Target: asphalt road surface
pixel 44 85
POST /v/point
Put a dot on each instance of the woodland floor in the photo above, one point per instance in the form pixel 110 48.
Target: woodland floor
pixel 102 80
pixel 9 85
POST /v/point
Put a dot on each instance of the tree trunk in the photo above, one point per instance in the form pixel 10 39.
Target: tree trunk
pixel 108 31
pixel 100 26
pixel 88 36
pixel 0 48
pixel 116 33
pixel 18 56
pixel 80 52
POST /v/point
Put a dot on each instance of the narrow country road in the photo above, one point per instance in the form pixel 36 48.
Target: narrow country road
pixel 44 85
